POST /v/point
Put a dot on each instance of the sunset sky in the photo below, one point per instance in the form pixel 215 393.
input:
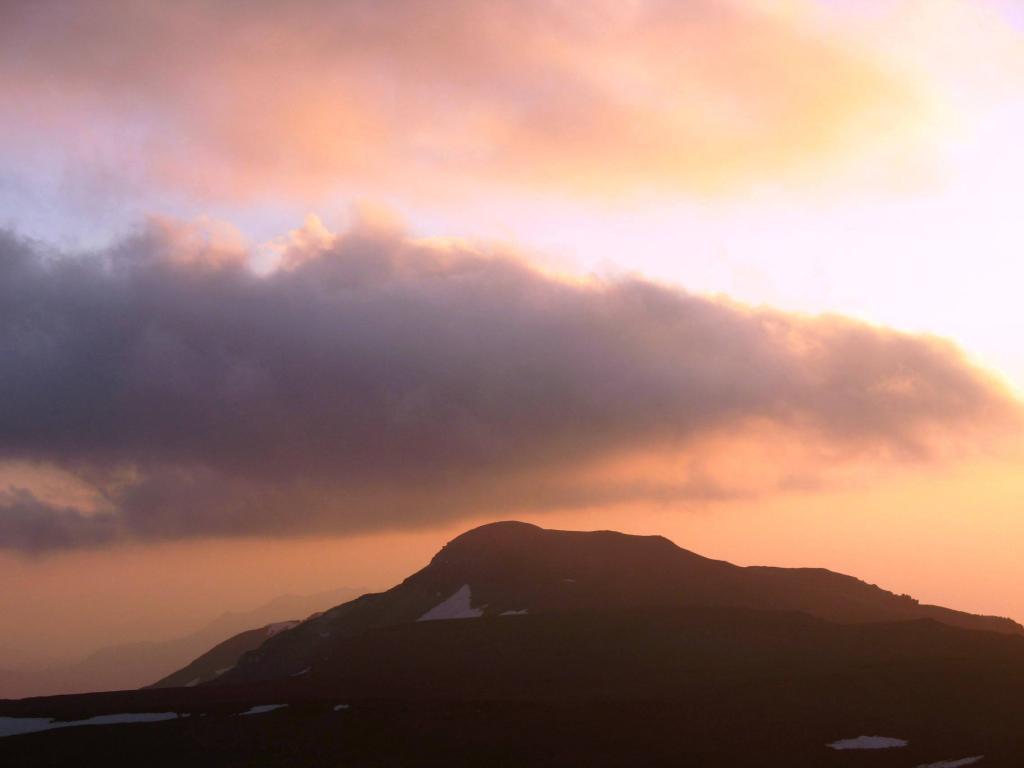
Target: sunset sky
pixel 292 293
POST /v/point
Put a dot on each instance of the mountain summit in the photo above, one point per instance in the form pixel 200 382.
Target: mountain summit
pixel 509 569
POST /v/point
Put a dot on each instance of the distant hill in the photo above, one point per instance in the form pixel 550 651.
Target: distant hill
pixel 222 657
pixel 132 665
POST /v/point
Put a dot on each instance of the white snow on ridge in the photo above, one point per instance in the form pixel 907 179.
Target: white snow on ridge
pixel 514 613
pixel 281 626
pixel 455 607
pixel 126 717
pixel 868 742
pixel 13 726
pixel 954 763
pixel 262 708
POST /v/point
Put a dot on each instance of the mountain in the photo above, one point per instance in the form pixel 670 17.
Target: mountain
pixel 131 665
pixel 222 657
pixel 521 646
pixel 511 567
pixel 652 687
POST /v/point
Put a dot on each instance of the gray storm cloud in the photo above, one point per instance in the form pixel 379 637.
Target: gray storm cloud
pixel 383 381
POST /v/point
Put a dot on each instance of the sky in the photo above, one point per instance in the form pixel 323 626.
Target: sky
pixel 291 294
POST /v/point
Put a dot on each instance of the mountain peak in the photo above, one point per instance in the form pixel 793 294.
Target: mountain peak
pixel 500 530
pixel 512 568
pixel 515 553
pixel 518 534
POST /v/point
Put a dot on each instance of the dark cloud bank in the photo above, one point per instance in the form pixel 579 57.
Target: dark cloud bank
pixel 381 381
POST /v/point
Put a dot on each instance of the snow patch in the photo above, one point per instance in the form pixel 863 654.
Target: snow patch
pixel 219 672
pixel 339 707
pixel 260 709
pixel 13 726
pixel 455 607
pixel 300 673
pixel 868 742
pixel 127 717
pixel 193 683
pixel 281 626
pixel 954 763
pixel 514 613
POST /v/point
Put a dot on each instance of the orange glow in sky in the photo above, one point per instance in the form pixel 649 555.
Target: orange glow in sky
pixel 784 177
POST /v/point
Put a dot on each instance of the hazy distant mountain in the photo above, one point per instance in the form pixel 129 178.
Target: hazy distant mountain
pixel 136 664
pixel 222 657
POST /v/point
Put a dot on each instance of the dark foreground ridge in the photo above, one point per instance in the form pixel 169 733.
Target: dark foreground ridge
pixel 522 646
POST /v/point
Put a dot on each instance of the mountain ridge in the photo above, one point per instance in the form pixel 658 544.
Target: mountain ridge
pixel 510 567
pixel 516 645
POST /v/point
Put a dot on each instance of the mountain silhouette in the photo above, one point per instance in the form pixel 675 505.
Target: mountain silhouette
pixel 513 568
pixel 222 657
pixel 517 645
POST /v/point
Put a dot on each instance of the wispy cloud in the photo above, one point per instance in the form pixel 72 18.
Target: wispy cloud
pixel 604 98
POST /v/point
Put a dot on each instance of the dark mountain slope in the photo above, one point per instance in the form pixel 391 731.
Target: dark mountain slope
pixel 515 567
pixel 222 657
pixel 651 653
pixel 656 686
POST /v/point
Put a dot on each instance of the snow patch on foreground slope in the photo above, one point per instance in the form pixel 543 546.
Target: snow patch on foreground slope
pixel 261 708
pixel 868 742
pixel 13 726
pixel 455 607
pixel 954 763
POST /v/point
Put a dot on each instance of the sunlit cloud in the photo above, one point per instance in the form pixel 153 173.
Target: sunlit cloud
pixel 597 99
pixel 377 380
